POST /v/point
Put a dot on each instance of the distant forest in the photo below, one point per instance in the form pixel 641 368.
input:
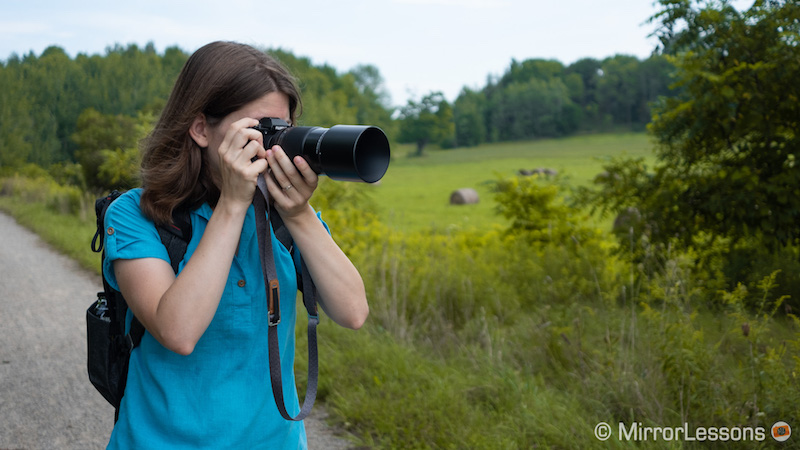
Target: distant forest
pixel 44 100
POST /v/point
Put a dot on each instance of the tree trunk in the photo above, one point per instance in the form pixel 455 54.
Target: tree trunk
pixel 420 146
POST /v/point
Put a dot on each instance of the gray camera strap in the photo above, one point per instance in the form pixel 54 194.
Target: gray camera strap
pixel 263 218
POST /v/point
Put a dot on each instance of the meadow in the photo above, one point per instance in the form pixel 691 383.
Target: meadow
pixel 483 336
pixel 415 192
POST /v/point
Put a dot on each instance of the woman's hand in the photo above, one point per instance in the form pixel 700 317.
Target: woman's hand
pixel 292 183
pixel 341 291
pixel 241 159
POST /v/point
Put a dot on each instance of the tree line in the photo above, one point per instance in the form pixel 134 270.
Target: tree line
pixel 50 102
pixel 85 115
pixel 540 98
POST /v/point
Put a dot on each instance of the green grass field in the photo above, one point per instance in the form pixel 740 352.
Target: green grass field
pixel 415 192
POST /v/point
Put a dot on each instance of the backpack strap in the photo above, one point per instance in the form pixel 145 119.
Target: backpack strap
pixel 176 237
pixel 262 213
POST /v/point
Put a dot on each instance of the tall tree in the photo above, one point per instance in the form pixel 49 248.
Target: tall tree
pixel 727 143
pixel 468 117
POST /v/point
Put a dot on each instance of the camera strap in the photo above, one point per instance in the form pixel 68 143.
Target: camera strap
pixel 262 212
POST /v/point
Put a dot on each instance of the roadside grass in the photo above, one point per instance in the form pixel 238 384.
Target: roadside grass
pixel 68 233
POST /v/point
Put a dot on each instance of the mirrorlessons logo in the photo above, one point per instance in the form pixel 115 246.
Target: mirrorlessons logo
pixel 636 431
pixel 781 431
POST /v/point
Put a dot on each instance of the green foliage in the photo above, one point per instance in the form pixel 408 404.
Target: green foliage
pixel 725 181
pixel 119 170
pixel 543 98
pixel 728 142
pixel 468 113
pixel 429 120
pixel 330 98
pixel 534 108
pixel 535 208
pixel 41 188
pixel 108 149
pixel 42 97
pixel 45 102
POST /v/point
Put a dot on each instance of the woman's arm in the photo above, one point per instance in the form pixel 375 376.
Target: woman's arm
pixel 340 287
pixel 177 311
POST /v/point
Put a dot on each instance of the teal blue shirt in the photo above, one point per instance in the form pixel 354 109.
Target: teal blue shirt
pixel 219 396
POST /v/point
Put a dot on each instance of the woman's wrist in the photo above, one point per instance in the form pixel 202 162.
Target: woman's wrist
pixel 232 206
pixel 299 218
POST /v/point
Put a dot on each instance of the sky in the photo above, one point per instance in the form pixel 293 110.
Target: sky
pixel 419 46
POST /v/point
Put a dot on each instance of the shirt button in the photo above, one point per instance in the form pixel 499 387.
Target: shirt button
pixel 110 231
pixel 241 283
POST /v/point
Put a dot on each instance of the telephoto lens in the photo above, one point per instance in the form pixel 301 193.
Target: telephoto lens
pixel 342 152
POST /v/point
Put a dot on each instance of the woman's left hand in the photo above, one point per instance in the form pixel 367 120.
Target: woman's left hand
pixel 292 182
pixel 341 290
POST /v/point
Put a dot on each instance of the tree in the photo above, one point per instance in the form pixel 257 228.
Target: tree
pixel 617 89
pixel 428 121
pixel 108 148
pixel 531 109
pixel 468 114
pixel 727 144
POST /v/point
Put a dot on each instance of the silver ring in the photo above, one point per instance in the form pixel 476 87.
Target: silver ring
pixel 288 187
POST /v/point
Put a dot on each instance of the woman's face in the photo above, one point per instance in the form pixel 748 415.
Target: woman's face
pixel 274 104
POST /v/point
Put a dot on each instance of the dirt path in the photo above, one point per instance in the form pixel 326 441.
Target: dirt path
pixel 46 400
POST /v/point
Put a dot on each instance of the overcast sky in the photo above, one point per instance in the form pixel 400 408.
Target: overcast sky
pixel 419 46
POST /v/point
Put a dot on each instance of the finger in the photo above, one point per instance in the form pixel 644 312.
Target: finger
pixel 309 176
pixel 239 134
pixel 251 152
pixel 298 172
pixel 284 198
pixel 282 168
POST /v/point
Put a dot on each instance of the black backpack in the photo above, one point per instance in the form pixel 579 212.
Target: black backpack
pixel 109 347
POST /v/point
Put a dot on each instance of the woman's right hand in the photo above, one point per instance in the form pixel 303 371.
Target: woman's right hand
pixel 241 158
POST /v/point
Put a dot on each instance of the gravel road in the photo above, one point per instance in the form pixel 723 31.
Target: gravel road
pixel 46 399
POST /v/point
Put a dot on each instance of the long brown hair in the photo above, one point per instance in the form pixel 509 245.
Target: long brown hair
pixel 218 79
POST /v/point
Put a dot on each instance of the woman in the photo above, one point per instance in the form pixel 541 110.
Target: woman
pixel 199 378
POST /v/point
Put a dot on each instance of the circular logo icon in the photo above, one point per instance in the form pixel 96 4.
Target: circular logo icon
pixel 781 431
pixel 602 431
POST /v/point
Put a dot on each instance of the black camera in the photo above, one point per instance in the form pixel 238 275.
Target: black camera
pixel 342 152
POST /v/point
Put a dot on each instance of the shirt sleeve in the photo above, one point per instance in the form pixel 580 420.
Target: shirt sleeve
pixel 129 234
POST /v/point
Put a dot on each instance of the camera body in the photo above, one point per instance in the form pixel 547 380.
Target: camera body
pixel 342 152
